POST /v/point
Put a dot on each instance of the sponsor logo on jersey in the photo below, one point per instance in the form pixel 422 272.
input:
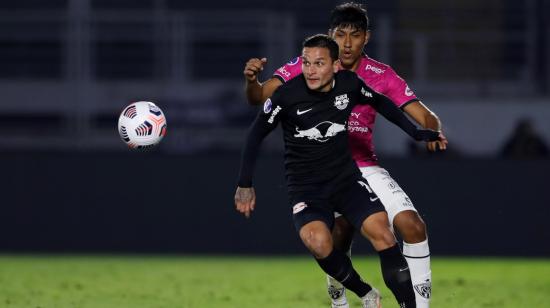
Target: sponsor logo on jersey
pixel 294 61
pixel 315 133
pixel 356 114
pixel 298 207
pixel 424 289
pixel 358 129
pixel 341 101
pixel 267 106
pixel 408 91
pixel 274 114
pixel 375 69
pixel 365 92
pixel 300 112
pixel 284 72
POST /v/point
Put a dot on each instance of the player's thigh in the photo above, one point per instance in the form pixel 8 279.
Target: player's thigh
pixel 357 202
pixel 342 232
pixel 313 224
pixel 307 211
pixel 392 196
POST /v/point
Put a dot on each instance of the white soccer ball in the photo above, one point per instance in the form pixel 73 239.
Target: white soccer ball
pixel 142 125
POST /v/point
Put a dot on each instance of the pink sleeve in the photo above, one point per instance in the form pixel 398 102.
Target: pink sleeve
pixel 397 89
pixel 290 70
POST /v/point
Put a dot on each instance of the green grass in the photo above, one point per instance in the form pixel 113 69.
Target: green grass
pixel 262 282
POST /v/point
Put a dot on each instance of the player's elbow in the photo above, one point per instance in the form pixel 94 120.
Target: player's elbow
pixel 255 99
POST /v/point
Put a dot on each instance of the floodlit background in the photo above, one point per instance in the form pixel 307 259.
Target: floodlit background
pixel 68 67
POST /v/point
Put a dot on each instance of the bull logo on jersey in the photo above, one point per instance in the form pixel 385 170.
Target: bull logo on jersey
pixel 341 101
pixel 321 132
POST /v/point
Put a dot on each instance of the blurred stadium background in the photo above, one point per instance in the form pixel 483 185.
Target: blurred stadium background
pixel 67 68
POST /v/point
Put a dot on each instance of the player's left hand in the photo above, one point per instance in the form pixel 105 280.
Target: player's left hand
pixel 245 200
pixel 440 144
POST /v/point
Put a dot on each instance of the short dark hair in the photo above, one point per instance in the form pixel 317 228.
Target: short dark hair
pixel 323 41
pixel 349 14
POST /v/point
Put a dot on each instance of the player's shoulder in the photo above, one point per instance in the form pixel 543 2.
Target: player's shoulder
pixel 346 76
pixel 369 67
pixel 289 70
pixel 291 88
pixel 348 79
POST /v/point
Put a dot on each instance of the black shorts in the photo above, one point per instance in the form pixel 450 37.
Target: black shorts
pixel 353 199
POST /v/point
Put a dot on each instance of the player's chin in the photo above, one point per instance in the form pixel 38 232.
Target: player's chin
pixel 348 59
pixel 313 85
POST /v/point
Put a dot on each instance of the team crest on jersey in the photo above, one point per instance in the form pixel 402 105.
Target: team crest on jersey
pixel 294 61
pixel 341 101
pixel 267 106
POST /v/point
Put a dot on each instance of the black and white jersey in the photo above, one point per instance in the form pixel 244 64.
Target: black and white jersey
pixel 315 129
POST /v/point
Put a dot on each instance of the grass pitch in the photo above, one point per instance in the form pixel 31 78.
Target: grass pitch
pixel 246 282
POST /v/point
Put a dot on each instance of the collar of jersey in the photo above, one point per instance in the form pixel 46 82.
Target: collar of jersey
pixel 319 93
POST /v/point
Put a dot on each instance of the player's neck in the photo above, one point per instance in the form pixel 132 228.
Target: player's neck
pixel 328 86
pixel 353 67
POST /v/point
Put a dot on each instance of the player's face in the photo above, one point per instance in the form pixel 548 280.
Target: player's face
pixel 351 42
pixel 318 68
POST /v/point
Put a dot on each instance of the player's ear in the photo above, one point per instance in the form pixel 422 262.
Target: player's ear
pixel 367 36
pixel 336 66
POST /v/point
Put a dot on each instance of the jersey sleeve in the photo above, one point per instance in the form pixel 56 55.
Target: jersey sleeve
pixel 397 89
pixel 290 70
pixel 265 122
pixel 392 113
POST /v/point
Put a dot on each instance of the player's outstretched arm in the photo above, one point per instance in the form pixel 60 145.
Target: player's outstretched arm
pixel 265 122
pixel 427 119
pixel 245 200
pixel 387 108
pixel 256 92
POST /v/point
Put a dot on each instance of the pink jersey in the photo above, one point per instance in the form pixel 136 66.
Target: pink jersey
pixel 382 79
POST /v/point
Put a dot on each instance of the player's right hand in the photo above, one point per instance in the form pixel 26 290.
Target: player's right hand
pixel 253 67
pixel 245 200
pixel 440 144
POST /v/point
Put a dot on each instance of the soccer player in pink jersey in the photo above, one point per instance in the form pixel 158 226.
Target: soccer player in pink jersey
pixel 349 26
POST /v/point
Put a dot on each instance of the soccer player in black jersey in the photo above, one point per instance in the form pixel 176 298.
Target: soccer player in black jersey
pixel 321 175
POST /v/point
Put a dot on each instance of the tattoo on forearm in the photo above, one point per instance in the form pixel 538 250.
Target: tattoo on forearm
pixel 244 195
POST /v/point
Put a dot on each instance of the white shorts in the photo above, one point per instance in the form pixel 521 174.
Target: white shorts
pixel 394 199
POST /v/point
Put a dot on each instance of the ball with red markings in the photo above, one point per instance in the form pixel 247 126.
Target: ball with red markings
pixel 142 125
